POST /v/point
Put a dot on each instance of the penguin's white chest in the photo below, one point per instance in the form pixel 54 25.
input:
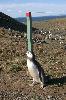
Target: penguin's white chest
pixel 33 70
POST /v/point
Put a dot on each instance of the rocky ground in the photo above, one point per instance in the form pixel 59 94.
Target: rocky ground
pixel 49 46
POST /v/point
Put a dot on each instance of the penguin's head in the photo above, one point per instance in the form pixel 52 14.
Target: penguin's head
pixel 29 55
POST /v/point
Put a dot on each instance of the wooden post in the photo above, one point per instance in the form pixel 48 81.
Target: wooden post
pixel 29 30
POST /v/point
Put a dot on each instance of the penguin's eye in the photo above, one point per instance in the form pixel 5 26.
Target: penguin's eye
pixel 28 52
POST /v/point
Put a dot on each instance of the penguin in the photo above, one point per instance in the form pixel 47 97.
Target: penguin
pixel 35 69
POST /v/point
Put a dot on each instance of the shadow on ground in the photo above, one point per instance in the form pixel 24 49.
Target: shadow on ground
pixel 57 81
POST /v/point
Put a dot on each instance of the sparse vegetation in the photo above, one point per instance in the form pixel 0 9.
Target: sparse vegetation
pixel 15 68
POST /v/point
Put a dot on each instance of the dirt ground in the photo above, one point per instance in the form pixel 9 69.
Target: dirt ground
pixel 50 52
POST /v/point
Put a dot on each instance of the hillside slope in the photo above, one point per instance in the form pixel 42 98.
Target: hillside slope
pixel 8 22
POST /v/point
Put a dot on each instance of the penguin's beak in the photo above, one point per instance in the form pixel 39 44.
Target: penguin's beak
pixel 26 53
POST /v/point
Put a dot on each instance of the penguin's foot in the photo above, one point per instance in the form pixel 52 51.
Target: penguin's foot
pixel 42 85
pixel 32 84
